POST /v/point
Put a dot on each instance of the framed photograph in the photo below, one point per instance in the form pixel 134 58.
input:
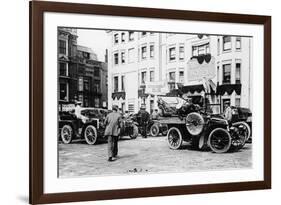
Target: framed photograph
pixel 139 102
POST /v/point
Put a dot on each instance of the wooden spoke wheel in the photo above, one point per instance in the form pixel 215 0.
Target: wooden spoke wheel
pixel 219 140
pixel 174 138
pixel 154 130
pixel 248 129
pixel 66 134
pixel 240 135
pixel 194 123
pixel 90 134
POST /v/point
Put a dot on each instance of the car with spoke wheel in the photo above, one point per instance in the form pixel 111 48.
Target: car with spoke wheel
pixel 90 127
pixel 190 123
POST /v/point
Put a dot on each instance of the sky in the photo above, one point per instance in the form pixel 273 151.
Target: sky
pixel 95 39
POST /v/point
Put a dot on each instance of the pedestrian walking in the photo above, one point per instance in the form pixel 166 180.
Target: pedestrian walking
pixel 112 131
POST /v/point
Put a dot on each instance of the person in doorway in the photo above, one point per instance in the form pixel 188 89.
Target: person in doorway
pixel 112 131
pixel 144 119
pixel 227 111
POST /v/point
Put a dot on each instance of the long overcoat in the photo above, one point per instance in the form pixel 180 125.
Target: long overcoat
pixel 113 124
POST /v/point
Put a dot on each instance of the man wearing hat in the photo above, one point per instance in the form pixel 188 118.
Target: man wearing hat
pixel 112 131
pixel 144 118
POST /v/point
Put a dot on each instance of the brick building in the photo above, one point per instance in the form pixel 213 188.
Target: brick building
pixel 81 75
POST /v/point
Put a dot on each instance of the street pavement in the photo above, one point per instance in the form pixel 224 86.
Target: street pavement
pixel 150 155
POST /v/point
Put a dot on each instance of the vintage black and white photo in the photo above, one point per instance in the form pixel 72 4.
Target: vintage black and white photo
pixel 143 102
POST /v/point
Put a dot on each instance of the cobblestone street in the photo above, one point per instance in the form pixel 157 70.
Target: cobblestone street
pixel 150 155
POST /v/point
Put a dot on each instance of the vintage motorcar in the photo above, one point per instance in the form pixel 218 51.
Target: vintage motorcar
pixel 90 128
pixel 154 126
pixel 188 122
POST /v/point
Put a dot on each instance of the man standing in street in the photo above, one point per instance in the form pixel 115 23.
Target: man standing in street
pixel 144 118
pixel 112 131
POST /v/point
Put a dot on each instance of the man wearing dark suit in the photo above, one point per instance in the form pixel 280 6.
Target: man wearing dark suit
pixel 144 118
pixel 112 130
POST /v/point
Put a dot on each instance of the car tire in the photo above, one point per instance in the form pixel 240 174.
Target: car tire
pixel 238 142
pixel 66 134
pixel 174 138
pixel 247 126
pixel 90 134
pixel 135 132
pixel 154 130
pixel 194 123
pixel 219 140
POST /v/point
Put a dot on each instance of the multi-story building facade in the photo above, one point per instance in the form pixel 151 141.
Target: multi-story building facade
pixel 81 75
pixel 139 60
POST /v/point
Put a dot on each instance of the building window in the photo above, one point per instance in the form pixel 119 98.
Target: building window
pixel 226 43
pixel 116 58
pixel 225 103
pixel 86 55
pixel 80 84
pixel 172 53
pixel 201 49
pixel 62 47
pixel 63 91
pixel 116 38
pixel 131 108
pixel 151 51
pixel 151 106
pixel 96 86
pixel 80 98
pixel 181 77
pixel 143 77
pixel 238 43
pixel 238 73
pixel 143 52
pixel 131 35
pixel 97 102
pixel 194 51
pixel 131 55
pixel 86 85
pixel 116 84
pixel 63 69
pixel 152 76
pixel 226 73
pixel 172 76
pixel 123 37
pixel 96 72
pixel 86 101
pixel 181 52
pixel 123 83
pixel 123 57
pixel 237 102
